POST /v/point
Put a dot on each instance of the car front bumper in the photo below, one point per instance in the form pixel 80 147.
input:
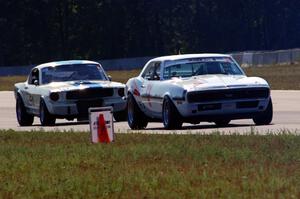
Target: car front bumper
pixel 233 109
pixel 79 108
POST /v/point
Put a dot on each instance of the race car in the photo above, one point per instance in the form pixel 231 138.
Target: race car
pixel 67 89
pixel 193 88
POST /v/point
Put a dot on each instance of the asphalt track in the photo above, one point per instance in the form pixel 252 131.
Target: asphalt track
pixel 286 117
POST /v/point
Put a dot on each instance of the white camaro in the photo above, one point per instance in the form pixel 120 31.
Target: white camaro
pixel 66 89
pixel 194 88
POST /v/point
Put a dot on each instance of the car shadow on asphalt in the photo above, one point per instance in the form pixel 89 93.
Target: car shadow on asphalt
pixel 64 124
pixel 67 123
pixel 206 126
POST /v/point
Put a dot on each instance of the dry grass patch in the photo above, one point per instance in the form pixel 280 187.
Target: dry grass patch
pixel 7 82
pixel 123 76
pixel 280 77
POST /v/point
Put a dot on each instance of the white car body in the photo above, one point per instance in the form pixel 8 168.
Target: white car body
pixel 75 96
pixel 207 97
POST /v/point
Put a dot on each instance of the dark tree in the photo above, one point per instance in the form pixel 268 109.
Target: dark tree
pixel 40 31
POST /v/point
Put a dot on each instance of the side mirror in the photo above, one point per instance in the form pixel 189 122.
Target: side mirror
pixel 109 77
pixel 36 82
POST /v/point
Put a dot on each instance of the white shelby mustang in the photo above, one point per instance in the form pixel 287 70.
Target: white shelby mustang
pixel 194 88
pixel 66 89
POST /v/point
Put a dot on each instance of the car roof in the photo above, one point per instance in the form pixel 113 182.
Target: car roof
pixel 68 62
pixel 188 56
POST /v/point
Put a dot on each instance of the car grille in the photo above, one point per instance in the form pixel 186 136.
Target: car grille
pixel 84 105
pixel 247 104
pixel 227 94
pixel 90 93
pixel 209 107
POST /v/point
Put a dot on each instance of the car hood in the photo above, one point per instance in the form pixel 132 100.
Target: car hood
pixel 75 85
pixel 205 82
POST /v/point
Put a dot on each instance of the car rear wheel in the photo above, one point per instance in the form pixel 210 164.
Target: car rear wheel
pixel 222 123
pixel 24 119
pixel 265 117
pixel 46 118
pixel 170 115
pixel 136 118
pixel 120 116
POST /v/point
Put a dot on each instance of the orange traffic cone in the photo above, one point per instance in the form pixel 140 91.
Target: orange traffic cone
pixel 102 130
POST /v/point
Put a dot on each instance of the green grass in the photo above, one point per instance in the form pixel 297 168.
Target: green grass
pixel 280 77
pixel 67 165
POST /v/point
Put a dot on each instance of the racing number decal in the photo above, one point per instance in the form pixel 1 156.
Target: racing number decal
pixel 136 90
pixel 148 95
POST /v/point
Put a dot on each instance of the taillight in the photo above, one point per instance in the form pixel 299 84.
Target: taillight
pixel 54 96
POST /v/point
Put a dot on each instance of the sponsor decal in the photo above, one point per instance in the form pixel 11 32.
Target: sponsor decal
pixel 198 83
pixel 30 98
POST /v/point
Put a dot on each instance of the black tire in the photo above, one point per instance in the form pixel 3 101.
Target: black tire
pixel 222 123
pixel 46 118
pixel 170 115
pixel 136 118
pixel 24 119
pixel 265 117
pixel 120 116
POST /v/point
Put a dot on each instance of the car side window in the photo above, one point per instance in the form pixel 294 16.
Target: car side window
pixel 34 76
pixel 147 72
pixel 156 71
pixel 152 71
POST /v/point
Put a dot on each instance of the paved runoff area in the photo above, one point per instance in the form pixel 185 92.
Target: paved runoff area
pixel 286 105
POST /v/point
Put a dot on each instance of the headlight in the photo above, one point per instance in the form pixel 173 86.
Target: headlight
pixel 121 92
pixel 54 96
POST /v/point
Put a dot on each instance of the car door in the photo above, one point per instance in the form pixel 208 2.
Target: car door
pixel 151 99
pixel 32 92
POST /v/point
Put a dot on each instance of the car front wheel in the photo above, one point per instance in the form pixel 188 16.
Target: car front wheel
pixel 24 119
pixel 46 118
pixel 170 115
pixel 266 116
pixel 136 118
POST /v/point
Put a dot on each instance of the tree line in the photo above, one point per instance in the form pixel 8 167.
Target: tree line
pixel 45 30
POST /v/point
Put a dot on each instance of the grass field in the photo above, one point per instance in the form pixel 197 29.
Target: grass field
pixel 280 77
pixel 66 165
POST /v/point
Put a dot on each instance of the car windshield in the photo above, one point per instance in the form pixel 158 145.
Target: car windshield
pixel 203 66
pixel 74 72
